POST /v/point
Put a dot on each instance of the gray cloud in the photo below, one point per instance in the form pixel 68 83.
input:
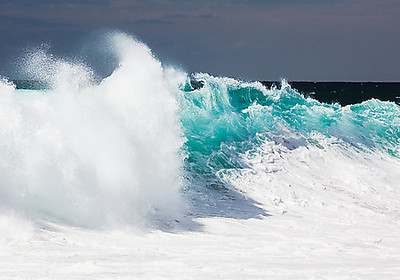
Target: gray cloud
pixel 251 39
pixel 153 21
pixel 176 16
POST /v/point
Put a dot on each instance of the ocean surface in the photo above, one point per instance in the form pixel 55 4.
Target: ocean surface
pixel 347 93
pixel 344 93
pixel 153 147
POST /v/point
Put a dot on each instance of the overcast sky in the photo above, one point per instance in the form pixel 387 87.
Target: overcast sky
pixel 250 39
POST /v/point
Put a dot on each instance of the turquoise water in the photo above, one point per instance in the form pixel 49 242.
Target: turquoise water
pixel 226 118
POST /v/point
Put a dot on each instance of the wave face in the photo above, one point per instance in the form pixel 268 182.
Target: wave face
pixel 228 118
pixel 135 147
pixel 285 151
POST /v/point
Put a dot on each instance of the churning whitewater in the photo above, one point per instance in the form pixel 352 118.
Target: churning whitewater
pixel 89 154
pixel 264 171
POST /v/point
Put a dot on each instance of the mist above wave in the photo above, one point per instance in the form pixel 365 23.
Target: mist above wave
pixel 92 154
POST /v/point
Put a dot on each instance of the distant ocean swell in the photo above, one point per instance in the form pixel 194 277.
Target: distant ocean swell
pixel 137 147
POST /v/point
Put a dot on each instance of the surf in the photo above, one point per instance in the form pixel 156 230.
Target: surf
pixel 92 154
pixel 150 145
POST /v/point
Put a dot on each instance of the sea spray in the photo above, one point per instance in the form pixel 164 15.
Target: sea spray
pixel 92 155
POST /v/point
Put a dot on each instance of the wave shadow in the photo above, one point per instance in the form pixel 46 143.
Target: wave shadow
pixel 215 199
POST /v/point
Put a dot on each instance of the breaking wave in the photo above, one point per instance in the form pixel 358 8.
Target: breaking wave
pixel 92 154
pixel 150 143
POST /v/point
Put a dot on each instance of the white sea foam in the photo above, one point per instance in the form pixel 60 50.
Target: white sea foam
pixel 322 176
pixel 92 155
